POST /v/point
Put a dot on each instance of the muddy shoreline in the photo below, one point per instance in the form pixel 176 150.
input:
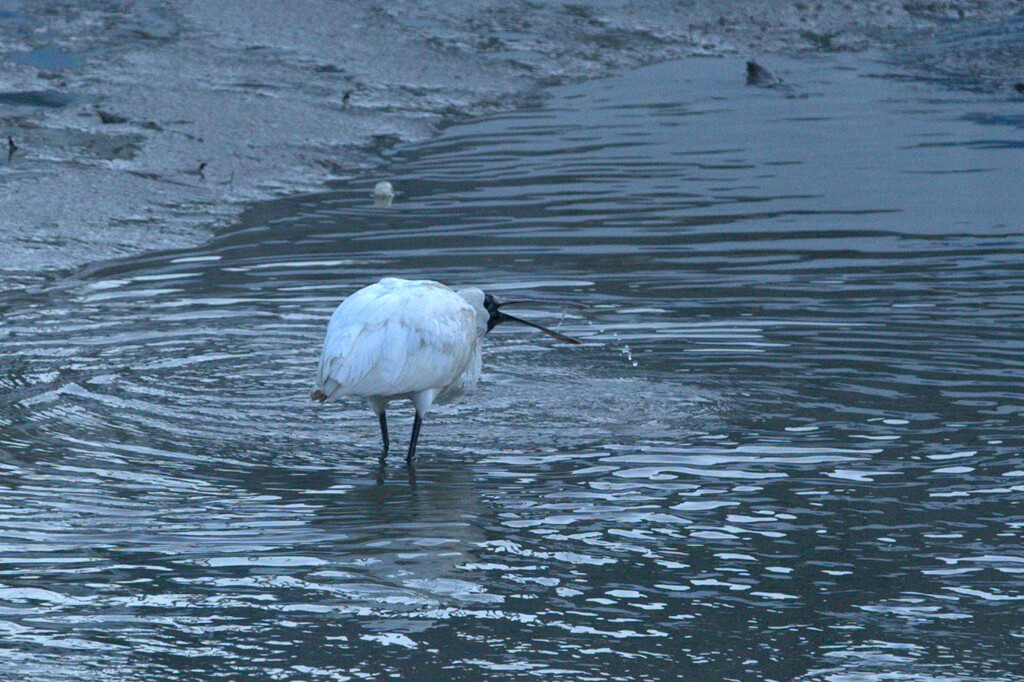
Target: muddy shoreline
pixel 137 126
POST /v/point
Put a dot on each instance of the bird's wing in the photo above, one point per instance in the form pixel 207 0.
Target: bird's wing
pixel 391 340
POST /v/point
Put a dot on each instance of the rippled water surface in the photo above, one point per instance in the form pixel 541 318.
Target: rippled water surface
pixel 790 446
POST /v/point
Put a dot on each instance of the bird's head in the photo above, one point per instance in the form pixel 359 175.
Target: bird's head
pixel 490 313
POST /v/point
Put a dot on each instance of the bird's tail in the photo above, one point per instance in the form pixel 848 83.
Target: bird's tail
pixel 318 396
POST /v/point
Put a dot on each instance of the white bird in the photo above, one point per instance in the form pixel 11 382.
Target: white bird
pixel 400 338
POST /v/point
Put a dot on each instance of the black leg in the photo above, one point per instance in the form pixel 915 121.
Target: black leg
pixel 415 437
pixel 384 434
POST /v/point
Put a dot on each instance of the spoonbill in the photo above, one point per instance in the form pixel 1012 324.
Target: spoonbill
pixel 414 339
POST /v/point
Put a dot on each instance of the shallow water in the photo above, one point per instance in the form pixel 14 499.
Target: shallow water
pixel 789 448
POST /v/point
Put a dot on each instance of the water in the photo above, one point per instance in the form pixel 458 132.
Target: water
pixel 790 447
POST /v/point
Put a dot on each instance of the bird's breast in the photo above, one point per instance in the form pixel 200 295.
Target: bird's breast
pixel 466 380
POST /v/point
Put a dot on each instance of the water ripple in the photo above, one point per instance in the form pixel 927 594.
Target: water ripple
pixel 793 425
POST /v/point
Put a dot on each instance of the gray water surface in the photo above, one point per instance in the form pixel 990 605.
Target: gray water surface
pixel 790 447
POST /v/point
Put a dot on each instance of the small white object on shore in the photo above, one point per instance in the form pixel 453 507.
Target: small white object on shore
pixel 383 194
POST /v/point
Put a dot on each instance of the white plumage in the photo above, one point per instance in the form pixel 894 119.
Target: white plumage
pixel 407 339
pixel 401 339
